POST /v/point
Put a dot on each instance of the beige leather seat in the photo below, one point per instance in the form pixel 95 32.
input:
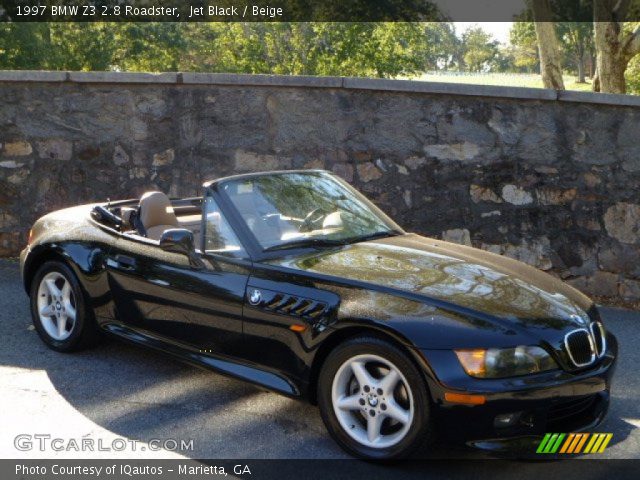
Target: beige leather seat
pixel 156 214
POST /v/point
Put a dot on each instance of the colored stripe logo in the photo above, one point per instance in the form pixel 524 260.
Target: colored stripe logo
pixel 574 443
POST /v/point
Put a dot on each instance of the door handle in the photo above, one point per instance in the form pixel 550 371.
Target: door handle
pixel 125 261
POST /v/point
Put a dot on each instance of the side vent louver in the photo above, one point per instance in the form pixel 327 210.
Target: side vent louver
pixel 292 305
pixel 287 305
pixel 274 302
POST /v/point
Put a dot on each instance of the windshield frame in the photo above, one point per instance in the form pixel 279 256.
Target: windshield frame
pixel 251 243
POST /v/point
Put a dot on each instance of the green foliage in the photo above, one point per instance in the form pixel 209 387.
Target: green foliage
pixel 480 51
pixel 524 46
pixel 632 74
pixel 352 49
pixel 56 46
pixel 385 50
pixel 149 46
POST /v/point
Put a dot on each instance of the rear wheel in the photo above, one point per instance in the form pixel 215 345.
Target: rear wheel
pixel 59 311
pixel 373 400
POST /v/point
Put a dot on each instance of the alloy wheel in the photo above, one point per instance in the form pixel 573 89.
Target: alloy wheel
pixel 56 305
pixel 372 401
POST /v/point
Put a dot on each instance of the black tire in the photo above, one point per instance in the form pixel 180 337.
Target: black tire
pixel 85 332
pixel 421 431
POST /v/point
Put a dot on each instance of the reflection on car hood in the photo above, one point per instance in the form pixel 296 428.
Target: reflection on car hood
pixel 465 276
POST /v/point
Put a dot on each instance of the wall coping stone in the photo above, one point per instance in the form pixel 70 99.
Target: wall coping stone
pixel 347 83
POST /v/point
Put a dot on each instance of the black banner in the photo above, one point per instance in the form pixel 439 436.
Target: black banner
pixel 306 10
pixel 314 469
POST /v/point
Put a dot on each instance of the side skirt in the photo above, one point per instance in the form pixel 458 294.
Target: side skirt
pixel 208 361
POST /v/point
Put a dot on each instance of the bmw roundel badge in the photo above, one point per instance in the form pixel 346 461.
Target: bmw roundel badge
pixel 255 297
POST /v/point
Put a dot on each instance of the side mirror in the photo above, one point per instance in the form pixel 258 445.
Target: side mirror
pixel 178 240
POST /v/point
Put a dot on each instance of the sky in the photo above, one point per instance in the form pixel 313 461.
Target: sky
pixel 499 30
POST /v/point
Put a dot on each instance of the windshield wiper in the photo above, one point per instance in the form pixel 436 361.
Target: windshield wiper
pixel 373 236
pixel 326 242
pixel 306 242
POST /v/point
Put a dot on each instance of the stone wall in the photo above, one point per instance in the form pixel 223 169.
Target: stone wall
pixel 551 178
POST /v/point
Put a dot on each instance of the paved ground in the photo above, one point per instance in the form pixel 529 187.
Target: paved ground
pixel 120 391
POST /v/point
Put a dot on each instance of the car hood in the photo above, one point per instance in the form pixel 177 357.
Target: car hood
pixel 456 275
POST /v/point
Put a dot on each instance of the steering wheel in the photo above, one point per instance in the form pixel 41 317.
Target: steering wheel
pixel 313 217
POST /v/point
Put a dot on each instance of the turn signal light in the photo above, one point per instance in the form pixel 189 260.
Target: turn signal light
pixel 296 327
pixel 465 399
pixel 30 237
pixel 473 361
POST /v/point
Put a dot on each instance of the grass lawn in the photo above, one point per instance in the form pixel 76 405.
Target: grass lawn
pixel 503 79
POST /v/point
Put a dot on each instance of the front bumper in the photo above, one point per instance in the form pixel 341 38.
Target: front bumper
pixel 555 401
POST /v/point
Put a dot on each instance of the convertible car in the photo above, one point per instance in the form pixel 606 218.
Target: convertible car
pixel 294 281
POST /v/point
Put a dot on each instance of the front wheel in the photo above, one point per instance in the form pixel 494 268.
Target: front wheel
pixel 373 400
pixel 59 310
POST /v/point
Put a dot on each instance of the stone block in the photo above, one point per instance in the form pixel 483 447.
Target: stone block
pixel 622 222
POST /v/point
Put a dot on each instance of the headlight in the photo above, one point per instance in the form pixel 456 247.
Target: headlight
pixel 505 362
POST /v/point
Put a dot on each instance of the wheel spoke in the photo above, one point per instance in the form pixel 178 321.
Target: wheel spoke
pixel 66 291
pixel 349 403
pixel 62 325
pixel 389 381
pixel 396 412
pixel 364 410
pixel 373 427
pixel 363 377
pixel 47 311
pixel 54 291
pixel 70 310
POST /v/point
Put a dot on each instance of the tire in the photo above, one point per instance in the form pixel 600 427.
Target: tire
pixel 401 415
pixel 68 307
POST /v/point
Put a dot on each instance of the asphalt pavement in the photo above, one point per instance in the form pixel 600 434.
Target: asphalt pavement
pixel 129 402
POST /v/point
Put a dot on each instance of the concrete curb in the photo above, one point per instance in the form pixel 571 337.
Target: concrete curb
pixel 347 83
pixel 266 80
pixel 449 88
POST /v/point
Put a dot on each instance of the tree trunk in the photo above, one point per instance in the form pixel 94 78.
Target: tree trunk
pixel 580 61
pixel 550 64
pixel 609 62
pixel 581 75
pixel 614 49
pixel 595 82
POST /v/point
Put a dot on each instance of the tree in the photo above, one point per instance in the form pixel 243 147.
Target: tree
pixel 576 34
pixel 81 46
pixel 578 44
pixel 56 46
pixel 615 43
pixel 632 75
pixel 150 46
pixel 479 49
pixel 439 45
pixel 550 64
pixel 24 45
pixel 522 38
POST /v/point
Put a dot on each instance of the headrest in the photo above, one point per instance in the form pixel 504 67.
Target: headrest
pixel 126 213
pixel 244 203
pixel 156 209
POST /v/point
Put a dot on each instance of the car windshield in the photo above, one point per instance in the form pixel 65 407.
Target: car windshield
pixel 305 209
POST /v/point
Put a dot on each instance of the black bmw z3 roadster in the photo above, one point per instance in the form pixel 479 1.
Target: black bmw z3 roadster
pixel 297 283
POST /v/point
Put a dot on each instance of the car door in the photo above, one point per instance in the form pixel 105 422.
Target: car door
pixel 165 294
